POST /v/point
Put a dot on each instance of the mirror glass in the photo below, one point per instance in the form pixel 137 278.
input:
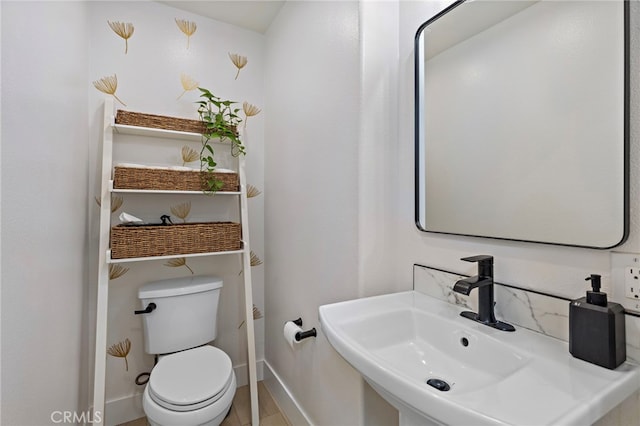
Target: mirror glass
pixel 521 121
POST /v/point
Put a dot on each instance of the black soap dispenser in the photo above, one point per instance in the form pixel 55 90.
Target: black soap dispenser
pixel 596 328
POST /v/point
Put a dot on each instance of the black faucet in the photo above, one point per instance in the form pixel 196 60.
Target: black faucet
pixel 484 283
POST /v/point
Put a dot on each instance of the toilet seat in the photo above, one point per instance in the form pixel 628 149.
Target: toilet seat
pixel 191 379
pixel 211 415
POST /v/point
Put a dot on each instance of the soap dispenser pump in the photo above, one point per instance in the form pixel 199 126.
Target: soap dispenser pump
pixel 596 297
pixel 597 328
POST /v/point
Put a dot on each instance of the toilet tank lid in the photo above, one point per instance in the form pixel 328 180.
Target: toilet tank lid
pixel 179 286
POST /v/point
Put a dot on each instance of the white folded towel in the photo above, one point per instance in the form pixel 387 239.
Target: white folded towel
pixel 127 218
pixel 178 168
pixel 145 166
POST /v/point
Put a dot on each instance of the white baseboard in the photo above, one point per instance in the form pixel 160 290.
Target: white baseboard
pixel 129 408
pixel 117 411
pixel 242 372
pixel 284 398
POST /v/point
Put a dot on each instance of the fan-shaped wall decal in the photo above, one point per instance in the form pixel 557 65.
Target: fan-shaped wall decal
pixel 182 211
pixel 252 191
pixel 188 84
pixel 116 202
pixel 239 61
pixel 249 111
pixel 256 315
pixel 189 155
pixel 187 27
pixel 124 30
pixel 178 262
pixel 121 350
pixel 116 271
pixel 255 260
pixel 108 85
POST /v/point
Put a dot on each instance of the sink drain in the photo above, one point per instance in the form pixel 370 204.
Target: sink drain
pixel 441 385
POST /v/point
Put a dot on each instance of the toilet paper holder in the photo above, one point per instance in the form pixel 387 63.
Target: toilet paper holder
pixel 303 334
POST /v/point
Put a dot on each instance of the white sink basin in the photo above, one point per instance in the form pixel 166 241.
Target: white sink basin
pixel 399 341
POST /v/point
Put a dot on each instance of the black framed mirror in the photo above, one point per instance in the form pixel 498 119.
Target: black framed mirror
pixel 522 115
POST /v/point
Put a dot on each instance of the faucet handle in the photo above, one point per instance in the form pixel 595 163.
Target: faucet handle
pixel 485 264
pixel 485 258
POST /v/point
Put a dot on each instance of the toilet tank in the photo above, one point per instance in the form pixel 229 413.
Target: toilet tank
pixel 185 315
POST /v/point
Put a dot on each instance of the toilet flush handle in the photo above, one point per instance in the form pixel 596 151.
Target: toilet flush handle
pixel 150 307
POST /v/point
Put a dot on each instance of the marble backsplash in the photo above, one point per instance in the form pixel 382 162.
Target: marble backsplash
pixel 538 312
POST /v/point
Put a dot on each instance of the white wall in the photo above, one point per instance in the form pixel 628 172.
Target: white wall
pixel 149 81
pixel 51 131
pixel 299 271
pixel 330 79
pixel 553 269
pixel 557 270
pixel 44 192
pixel 311 202
pixel 378 146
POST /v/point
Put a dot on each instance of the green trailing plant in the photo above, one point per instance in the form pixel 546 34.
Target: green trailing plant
pixel 221 121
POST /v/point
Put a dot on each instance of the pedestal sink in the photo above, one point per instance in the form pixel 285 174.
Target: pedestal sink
pixel 436 367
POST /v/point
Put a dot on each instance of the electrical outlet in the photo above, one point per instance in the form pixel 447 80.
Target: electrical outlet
pixel 624 288
pixel 632 282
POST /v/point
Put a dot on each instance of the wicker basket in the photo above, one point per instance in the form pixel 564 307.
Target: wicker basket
pixel 170 180
pixel 159 121
pixel 187 238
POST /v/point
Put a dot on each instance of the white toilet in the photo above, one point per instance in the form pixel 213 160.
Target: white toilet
pixel 193 383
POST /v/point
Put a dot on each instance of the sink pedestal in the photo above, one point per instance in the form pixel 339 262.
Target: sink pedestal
pixel 406 415
pixel 411 418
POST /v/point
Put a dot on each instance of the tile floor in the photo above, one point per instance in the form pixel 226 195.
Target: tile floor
pixel 240 415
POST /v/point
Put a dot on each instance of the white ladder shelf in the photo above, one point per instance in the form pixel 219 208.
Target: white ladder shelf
pixel 109 129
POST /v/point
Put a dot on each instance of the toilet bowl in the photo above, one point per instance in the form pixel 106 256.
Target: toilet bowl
pixel 193 383
pixel 190 388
